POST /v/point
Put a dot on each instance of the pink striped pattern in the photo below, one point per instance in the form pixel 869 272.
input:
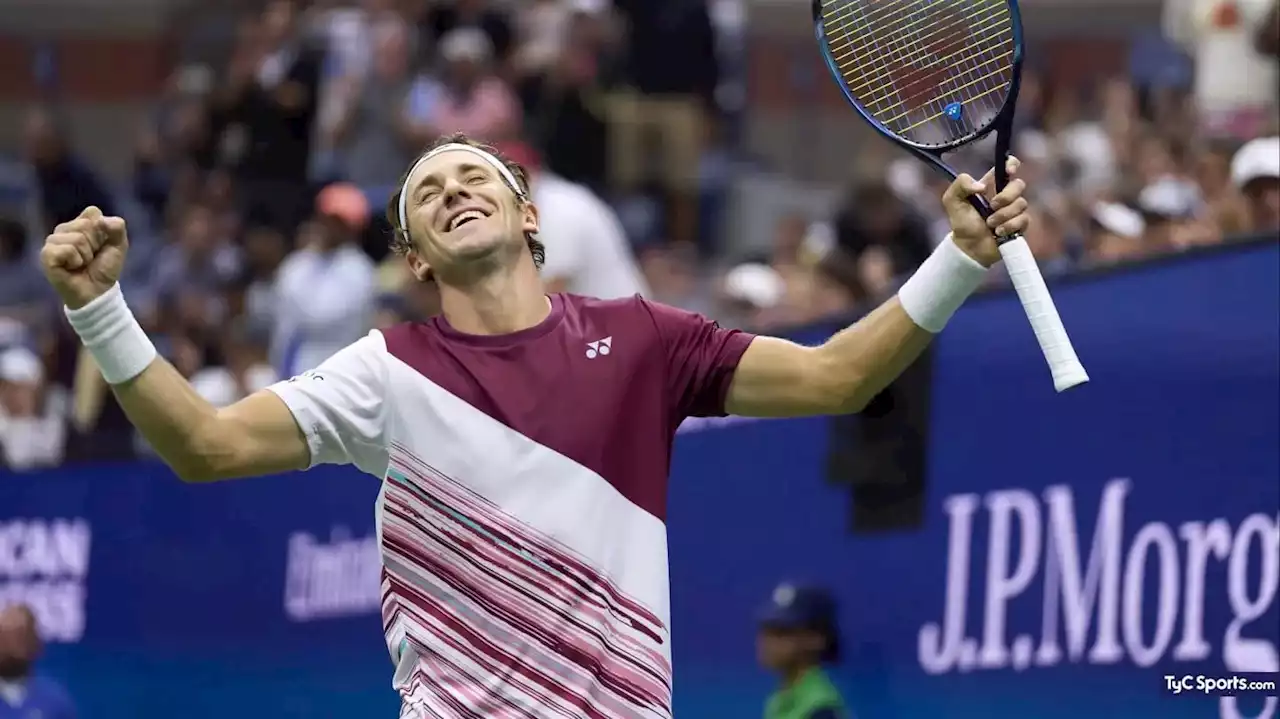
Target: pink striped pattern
pixel 505 621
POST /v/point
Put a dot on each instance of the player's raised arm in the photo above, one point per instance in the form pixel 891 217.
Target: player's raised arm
pixel 258 435
pixel 777 378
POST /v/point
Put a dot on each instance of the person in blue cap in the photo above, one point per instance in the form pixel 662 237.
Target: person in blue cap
pixel 798 637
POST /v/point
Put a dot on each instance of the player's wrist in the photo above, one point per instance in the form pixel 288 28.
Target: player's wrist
pixel 979 248
pixel 937 289
pixel 113 336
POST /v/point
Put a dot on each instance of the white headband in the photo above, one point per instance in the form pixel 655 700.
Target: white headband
pixel 488 158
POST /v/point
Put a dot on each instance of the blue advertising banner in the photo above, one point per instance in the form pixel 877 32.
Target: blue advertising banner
pixel 1077 548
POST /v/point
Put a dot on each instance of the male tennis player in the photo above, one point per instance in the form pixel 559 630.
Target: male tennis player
pixel 522 440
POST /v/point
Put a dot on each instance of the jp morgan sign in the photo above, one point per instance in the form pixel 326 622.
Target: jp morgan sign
pixel 1121 593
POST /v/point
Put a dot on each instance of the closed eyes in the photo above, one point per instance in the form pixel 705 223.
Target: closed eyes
pixel 431 191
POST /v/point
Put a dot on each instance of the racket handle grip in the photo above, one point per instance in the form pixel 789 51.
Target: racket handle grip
pixel 1038 304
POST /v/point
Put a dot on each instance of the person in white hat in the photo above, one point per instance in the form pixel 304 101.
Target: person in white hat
pixel 1255 169
pixel 1115 234
pixel 32 431
pixel 1176 217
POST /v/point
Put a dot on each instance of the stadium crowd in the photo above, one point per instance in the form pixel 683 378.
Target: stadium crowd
pixel 255 205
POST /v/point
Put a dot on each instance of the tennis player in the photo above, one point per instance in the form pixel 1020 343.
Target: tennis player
pixel 522 440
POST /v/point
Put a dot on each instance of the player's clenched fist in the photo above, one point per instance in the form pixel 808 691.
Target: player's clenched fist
pixel 83 257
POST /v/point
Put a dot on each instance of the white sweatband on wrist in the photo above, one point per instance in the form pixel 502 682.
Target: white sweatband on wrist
pixel 113 336
pixel 940 286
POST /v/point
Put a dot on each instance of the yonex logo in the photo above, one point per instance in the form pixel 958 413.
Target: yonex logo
pixel 599 347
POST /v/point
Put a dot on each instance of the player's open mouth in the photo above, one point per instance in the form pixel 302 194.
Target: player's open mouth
pixel 464 217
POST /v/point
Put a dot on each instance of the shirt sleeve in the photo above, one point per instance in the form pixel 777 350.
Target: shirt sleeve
pixel 340 407
pixel 701 359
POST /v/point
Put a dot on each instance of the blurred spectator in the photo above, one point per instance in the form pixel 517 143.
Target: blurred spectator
pixel 873 219
pixel 543 28
pixel 1224 204
pixel 370 129
pixel 265 248
pixel 24 294
pixel 1047 239
pixel 23 695
pixel 755 296
pixel 446 16
pixel 65 184
pixel 33 417
pixel 350 29
pixel 245 369
pixel 671 272
pixel 671 71
pixel 268 107
pixel 1235 85
pixel 1267 38
pixel 392 309
pixel 13 333
pixel 587 249
pixel 200 264
pixel 563 94
pixel 1152 160
pixel 807 278
pixel 152 175
pixel 1115 234
pixel 475 101
pixel 798 635
pixel 1256 171
pixel 325 290
pixel 1173 213
pixel 176 146
pixel 415 302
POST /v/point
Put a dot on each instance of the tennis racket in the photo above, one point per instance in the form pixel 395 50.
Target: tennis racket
pixel 933 76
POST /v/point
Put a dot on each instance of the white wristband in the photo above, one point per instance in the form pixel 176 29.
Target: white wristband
pixel 940 286
pixel 113 336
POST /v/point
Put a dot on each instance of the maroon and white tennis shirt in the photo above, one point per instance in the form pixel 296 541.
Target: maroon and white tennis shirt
pixel 522 509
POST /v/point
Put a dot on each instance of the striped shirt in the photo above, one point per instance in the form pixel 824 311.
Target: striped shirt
pixel 522 513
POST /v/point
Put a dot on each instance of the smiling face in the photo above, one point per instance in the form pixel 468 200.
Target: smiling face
pixel 463 217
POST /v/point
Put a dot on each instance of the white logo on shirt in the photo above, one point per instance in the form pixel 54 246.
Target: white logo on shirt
pixel 307 375
pixel 599 347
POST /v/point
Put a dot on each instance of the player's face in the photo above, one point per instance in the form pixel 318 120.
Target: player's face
pixel 462 215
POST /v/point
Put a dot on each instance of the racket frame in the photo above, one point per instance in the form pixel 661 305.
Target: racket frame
pixel 1027 280
pixel 1001 123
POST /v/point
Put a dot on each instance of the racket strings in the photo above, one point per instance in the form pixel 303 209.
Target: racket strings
pixel 911 64
pixel 988 17
pixel 970 99
pixel 961 88
pixel 939 61
pixel 845 63
pixel 900 29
